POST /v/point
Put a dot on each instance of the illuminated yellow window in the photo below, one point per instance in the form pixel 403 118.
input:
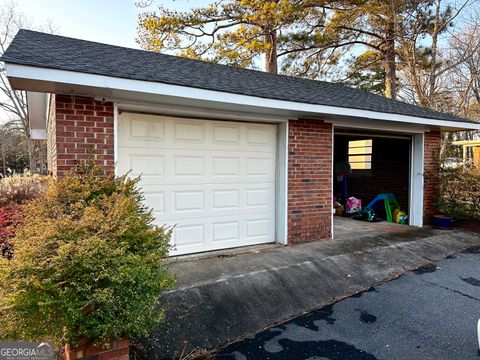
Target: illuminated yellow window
pixel 360 154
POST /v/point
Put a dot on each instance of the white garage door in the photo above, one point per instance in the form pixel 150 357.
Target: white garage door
pixel 213 180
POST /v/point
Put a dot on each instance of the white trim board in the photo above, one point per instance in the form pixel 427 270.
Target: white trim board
pixel 48 79
pixel 198 113
pixel 281 186
pixel 416 180
pixel 115 138
pixel 373 125
pixel 332 208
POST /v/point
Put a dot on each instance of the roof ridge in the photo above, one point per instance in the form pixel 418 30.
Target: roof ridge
pixel 40 49
pixel 206 62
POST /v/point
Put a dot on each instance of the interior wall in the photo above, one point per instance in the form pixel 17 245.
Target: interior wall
pixel 390 169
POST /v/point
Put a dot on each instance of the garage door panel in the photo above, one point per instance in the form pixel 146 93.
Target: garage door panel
pixel 226 166
pixel 225 199
pixel 194 200
pixel 260 166
pixel 161 132
pixel 260 136
pixel 144 164
pixel 226 134
pixel 259 197
pixel 144 129
pixel 189 132
pixel 228 231
pixel 188 165
pixel 258 228
pixel 140 129
pixel 188 235
pixel 213 166
pixel 155 200
pixel 188 201
pixel 221 232
pixel 213 180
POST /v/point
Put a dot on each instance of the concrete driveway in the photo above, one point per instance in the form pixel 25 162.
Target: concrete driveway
pixel 226 296
pixel 430 313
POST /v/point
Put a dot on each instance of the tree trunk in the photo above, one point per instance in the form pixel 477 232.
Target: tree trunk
pixel 389 62
pixel 433 73
pixel 271 65
pixel 422 99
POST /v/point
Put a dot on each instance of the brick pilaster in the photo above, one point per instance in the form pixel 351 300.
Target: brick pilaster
pixel 431 164
pixel 309 181
pixel 80 128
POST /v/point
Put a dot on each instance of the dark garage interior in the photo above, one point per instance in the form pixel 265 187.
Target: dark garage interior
pixel 372 163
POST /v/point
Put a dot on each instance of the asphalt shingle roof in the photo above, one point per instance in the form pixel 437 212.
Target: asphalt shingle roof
pixel 57 52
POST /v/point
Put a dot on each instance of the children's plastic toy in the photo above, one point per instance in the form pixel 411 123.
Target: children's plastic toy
pixel 353 205
pixel 388 200
pixel 400 217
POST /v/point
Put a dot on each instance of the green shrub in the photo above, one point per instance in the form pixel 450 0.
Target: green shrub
pixel 19 188
pixel 459 192
pixel 87 264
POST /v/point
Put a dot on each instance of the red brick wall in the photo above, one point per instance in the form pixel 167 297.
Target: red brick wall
pixel 83 130
pixel 431 163
pixel 309 181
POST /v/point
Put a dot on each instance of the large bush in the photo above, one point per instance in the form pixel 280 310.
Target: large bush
pixel 459 192
pixel 87 264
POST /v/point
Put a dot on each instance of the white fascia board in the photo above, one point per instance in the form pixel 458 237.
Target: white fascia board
pixel 199 113
pixel 107 82
pixel 369 124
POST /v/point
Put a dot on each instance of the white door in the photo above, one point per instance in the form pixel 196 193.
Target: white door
pixel 213 180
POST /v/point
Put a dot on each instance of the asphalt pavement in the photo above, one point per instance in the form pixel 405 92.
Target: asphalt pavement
pixel 430 313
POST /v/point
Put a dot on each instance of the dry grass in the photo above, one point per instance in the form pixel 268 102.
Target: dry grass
pixel 19 188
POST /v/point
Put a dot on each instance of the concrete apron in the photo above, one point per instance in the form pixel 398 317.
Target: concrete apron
pixel 222 298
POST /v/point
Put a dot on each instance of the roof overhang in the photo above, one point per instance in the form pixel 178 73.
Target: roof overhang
pixel 44 80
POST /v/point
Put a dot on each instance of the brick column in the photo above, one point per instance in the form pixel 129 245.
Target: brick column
pixel 309 181
pixel 431 164
pixel 79 128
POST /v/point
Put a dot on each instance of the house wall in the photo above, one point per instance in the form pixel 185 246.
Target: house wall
pixel 309 181
pixel 431 165
pixel 83 130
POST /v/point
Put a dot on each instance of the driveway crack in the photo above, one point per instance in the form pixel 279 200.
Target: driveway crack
pixel 452 290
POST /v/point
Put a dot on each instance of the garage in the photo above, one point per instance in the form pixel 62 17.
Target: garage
pixel 213 181
pixel 367 164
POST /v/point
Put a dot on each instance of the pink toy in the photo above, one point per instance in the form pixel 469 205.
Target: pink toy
pixel 353 205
